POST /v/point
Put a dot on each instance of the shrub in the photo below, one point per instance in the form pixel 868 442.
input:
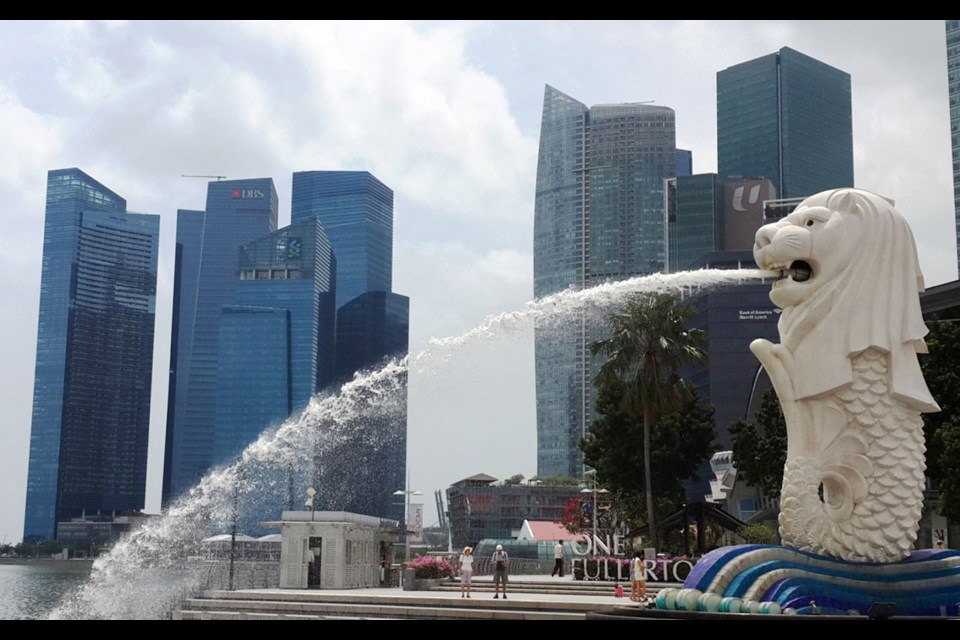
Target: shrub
pixel 757 534
pixel 428 567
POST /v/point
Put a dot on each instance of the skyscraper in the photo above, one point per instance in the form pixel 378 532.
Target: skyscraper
pixel 706 212
pixel 598 216
pixel 277 341
pixel 786 117
pixel 356 211
pixel 91 404
pixel 370 327
pixel 206 281
pixel 953 85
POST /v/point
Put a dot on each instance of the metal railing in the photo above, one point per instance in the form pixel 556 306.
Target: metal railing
pixel 246 575
pixel 517 567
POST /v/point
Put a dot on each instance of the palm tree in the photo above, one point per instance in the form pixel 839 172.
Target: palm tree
pixel 648 343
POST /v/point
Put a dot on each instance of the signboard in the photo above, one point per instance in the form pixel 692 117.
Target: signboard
pixel 743 212
pixel 416 523
pixel 758 314
pixel 244 194
pixel 294 248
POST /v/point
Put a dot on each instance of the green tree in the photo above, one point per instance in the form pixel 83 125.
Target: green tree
pixel 680 442
pixel 942 429
pixel 513 480
pixel 649 342
pixel 946 441
pixel 939 369
pixel 760 447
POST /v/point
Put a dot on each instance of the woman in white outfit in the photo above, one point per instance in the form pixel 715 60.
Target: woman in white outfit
pixel 466 571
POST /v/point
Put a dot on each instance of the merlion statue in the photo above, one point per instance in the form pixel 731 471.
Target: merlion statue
pixel 847 375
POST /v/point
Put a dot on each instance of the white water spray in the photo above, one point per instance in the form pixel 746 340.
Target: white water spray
pixel 152 570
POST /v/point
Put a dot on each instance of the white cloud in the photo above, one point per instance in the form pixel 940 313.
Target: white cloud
pixel 453 287
pixel 29 141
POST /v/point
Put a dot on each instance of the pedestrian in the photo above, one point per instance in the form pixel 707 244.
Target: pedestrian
pixel 638 577
pixel 466 571
pixel 501 561
pixel 558 559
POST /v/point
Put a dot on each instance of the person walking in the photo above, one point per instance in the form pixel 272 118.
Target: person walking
pixel 501 561
pixel 558 559
pixel 466 571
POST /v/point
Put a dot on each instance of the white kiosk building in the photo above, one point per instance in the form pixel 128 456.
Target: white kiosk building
pixel 334 549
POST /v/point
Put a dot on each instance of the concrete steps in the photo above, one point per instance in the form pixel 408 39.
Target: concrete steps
pixel 253 606
pixel 540 599
pixel 560 586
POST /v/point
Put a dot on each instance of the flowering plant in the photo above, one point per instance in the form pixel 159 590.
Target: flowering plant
pixel 572 517
pixel 431 567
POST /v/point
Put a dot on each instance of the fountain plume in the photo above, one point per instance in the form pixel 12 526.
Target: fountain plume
pixel 153 569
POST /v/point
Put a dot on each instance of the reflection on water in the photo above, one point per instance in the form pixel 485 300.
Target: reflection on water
pixel 30 591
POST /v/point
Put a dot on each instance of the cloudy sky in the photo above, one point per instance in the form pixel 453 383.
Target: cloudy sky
pixel 445 113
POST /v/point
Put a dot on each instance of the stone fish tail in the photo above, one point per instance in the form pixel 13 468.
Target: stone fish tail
pixel 860 499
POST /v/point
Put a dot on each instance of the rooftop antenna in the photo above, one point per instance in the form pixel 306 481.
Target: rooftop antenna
pixel 219 178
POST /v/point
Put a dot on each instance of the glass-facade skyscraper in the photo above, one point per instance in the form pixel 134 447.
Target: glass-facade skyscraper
pixel 356 212
pixel 598 216
pixel 694 213
pixel 786 117
pixel 206 281
pixel 706 213
pixel 91 404
pixel 277 341
pixel 373 326
pixel 953 86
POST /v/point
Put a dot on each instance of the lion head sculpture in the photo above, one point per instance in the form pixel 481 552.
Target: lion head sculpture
pixel 849 279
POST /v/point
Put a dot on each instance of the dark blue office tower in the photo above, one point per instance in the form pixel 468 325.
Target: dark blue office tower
pixel 370 465
pixel 208 245
pixel 356 211
pixel 91 405
pixel 277 341
pixel 372 327
pixel 786 117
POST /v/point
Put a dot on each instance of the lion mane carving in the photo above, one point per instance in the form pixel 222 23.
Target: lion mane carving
pixel 847 375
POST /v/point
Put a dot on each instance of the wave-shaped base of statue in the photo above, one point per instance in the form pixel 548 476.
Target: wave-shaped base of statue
pixel 768 579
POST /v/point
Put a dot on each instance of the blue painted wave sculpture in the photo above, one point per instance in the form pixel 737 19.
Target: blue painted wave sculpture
pixel 779 580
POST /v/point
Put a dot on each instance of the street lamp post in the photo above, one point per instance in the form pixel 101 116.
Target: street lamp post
pixel 593 508
pixel 406 516
pixel 234 516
